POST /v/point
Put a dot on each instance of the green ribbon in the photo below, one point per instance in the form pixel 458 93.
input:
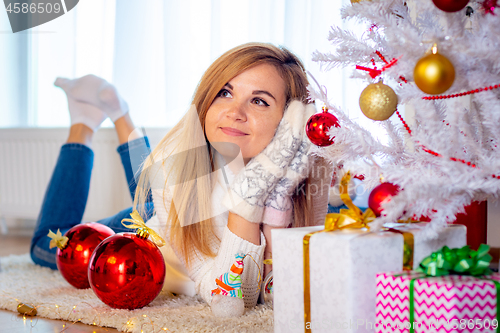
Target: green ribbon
pixel 459 261
pixel 412 304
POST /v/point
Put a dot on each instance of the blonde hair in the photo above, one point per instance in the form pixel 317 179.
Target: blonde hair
pixel 190 170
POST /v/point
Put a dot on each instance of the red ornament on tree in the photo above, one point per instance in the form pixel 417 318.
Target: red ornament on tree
pixel 381 193
pixel 450 6
pixel 318 125
pixel 127 270
pixel 489 6
pixel 73 256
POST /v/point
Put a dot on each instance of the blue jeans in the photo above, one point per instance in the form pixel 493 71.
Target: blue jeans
pixel 66 196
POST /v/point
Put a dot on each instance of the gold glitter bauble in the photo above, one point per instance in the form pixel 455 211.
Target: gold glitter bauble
pixel 378 101
pixel 434 74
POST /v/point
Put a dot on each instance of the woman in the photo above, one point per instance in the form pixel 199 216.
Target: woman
pixel 252 98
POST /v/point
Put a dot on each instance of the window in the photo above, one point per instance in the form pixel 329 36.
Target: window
pixel 155 52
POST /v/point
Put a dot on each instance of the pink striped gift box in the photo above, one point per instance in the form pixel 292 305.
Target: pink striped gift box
pixel 448 304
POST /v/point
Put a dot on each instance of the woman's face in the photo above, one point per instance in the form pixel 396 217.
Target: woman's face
pixel 247 110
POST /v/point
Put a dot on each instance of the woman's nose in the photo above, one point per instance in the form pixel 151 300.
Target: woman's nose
pixel 237 111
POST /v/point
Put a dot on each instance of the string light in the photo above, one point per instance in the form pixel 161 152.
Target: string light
pixel 164 329
pixel 65 326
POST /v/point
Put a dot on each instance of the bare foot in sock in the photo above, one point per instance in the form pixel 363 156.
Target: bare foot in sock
pixel 96 91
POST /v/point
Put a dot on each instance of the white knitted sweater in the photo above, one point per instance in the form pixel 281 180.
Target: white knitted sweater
pixel 199 278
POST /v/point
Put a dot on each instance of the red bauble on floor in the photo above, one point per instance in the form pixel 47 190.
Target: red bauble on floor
pixel 379 194
pixel 73 260
pixel 126 271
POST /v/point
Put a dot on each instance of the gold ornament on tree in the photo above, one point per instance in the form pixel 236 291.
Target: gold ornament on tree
pixel 434 73
pixel 378 101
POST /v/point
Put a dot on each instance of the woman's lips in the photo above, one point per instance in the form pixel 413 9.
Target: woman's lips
pixel 232 131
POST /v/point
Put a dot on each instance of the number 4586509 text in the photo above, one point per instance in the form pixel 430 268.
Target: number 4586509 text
pixel 33 8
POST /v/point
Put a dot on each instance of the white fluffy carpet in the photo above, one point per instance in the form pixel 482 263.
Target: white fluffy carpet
pixel 23 281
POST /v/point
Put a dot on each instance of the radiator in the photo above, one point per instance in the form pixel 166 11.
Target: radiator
pixel 28 157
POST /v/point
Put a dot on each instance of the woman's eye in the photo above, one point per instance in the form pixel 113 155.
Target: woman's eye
pixel 224 93
pixel 259 101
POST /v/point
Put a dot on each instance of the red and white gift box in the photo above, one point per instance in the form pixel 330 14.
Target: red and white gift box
pixel 453 303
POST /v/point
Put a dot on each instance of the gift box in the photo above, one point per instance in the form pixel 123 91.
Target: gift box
pixel 453 236
pixel 342 269
pixel 343 266
pixel 452 303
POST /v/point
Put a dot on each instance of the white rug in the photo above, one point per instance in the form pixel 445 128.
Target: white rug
pixel 23 281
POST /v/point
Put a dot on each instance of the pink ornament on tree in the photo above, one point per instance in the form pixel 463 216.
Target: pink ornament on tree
pixel 489 6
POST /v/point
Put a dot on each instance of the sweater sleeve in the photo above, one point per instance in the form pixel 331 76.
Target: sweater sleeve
pixel 214 267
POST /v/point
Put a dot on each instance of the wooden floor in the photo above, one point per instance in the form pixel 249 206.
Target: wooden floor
pixel 18 242
pixel 14 244
pixel 11 322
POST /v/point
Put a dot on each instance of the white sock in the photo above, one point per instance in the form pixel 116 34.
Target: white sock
pixel 84 113
pixel 96 91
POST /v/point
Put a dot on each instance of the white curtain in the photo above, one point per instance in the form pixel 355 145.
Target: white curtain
pixel 155 52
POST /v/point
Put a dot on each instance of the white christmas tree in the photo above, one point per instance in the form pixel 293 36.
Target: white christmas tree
pixel 448 156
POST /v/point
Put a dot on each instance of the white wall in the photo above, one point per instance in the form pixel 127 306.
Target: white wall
pixel 28 157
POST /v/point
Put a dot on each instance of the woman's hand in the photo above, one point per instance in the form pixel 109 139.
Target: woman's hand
pixel 284 162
